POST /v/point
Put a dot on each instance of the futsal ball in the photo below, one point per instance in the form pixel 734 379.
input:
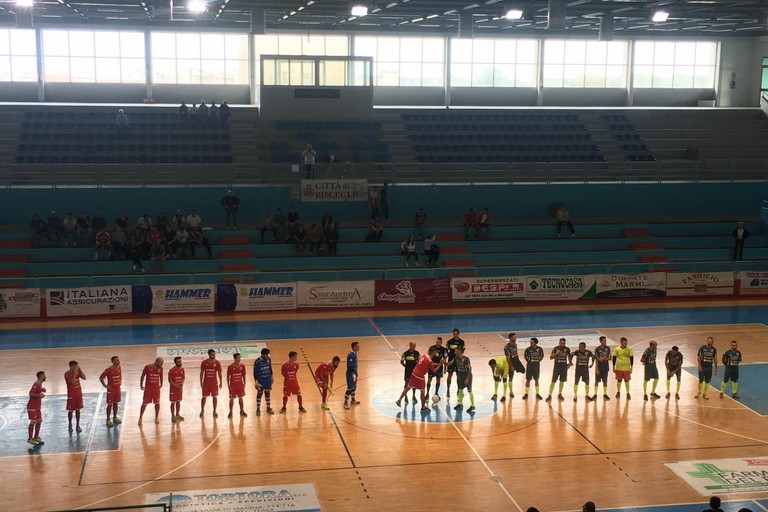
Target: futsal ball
pixel 435 399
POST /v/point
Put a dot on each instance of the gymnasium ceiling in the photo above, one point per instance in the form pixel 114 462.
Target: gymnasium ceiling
pixel 695 18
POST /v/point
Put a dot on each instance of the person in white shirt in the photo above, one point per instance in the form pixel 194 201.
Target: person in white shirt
pixel 194 222
pixel 309 155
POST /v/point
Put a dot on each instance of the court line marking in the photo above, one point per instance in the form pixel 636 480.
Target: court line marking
pixel 672 505
pixel 494 477
pixel 91 434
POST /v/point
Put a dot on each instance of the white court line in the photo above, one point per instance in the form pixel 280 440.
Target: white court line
pixel 494 477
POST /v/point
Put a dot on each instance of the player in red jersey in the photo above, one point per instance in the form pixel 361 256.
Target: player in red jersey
pixel 150 382
pixel 236 384
pixel 416 381
pixel 74 394
pixel 34 409
pixel 324 378
pixel 176 378
pixel 290 381
pixel 211 381
pixel 112 379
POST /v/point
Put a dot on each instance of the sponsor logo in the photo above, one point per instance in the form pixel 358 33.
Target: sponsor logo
pixel 78 296
pixel 335 295
pixel 267 291
pixel 183 293
pixel 700 278
pixel 404 295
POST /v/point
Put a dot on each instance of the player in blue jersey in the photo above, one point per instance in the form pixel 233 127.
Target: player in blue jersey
pixel 349 396
pixel 262 376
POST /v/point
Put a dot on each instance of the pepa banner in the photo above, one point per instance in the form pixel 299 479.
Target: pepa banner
pixel 559 287
pixel 333 191
pixel 24 302
pixel 335 294
pixel 653 284
pixel 173 299
pixel 256 297
pixel 100 300
pixel 469 289
pixel 753 282
pixel 699 283
pixel 407 292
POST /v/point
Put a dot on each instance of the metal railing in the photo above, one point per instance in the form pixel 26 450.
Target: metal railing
pixel 276 174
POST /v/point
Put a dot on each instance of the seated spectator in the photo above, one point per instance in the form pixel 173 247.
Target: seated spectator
pixel 194 222
pixel 292 224
pixel 118 243
pixel 144 224
pixel 69 230
pixel 121 122
pixel 315 239
pixel 431 250
pixel 83 229
pixel 122 221
pixel 98 223
pixel 408 250
pixel 470 221
pixel 332 238
pixel 196 240
pixel 161 222
pixel 300 239
pixel 564 219
pixel 39 231
pixel 177 220
pixel 102 241
pixel 224 114
pixel 326 221
pixel 135 248
pixel 55 228
pixel 183 112
pixel 154 235
pixel 420 222
pixel 279 221
pixel 268 224
pixel 180 244
pixel 483 228
pixel 375 233
pixel 157 257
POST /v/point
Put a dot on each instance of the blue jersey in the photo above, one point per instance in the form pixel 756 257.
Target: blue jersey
pixel 352 362
pixel 262 370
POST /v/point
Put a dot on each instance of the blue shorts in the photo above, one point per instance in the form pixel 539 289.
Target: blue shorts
pixel 351 384
pixel 265 384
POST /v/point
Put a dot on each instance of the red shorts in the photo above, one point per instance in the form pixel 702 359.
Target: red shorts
pixel 291 388
pixel 174 395
pixel 35 414
pixel 416 382
pixel 74 403
pixel 237 391
pixel 113 395
pixel 622 375
pixel 210 388
pixel 151 396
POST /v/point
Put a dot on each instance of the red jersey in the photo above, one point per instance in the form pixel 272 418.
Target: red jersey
pixel 289 371
pixel 35 402
pixel 422 367
pixel 152 376
pixel 236 375
pixel 114 376
pixel 176 375
pixel 470 218
pixel 210 370
pixel 73 384
pixel 324 370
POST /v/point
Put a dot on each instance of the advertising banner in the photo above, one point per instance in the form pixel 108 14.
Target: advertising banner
pixel 173 299
pixel 335 294
pixel 407 292
pixel 753 282
pixel 19 302
pixel 100 300
pixel 699 283
pixel 723 476
pixel 333 191
pixel 256 297
pixel 468 289
pixel 272 498
pixel 224 350
pixel 559 287
pixel 653 284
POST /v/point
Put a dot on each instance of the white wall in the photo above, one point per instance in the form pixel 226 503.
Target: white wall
pixel 739 56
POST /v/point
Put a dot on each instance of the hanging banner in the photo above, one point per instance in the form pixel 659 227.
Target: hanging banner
pixel 173 299
pixel 468 289
pixel 753 282
pixel 335 294
pixel 334 191
pixel 632 285
pixel 408 292
pixel 699 283
pixel 19 302
pixel 256 297
pixel 100 300
pixel 559 287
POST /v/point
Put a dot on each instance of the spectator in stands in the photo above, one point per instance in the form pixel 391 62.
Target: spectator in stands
pixel 268 224
pixel 161 221
pixel 196 240
pixel 292 224
pixel 152 236
pixel 431 250
pixel 135 248
pixel 39 231
pixel 332 238
pixel 83 229
pixel 69 230
pixel 55 228
pixel 157 257
pixel 326 221
pixel 420 221
pixel 375 233
pixel 279 220
pixel 408 250
pixel 315 239
pixel 309 156
pixel 564 219
pixel 213 115
pixel 300 239
pixel 202 114
pixel 144 224
pixel 180 244
pixel 483 228
pixel 98 223
pixel 118 243
pixel 194 222
pixel 183 112
pixel 122 221
pixel 384 200
pixel 231 203
pixel 470 222
pixel 177 220
pixel 224 114
pixel 121 122
pixel 373 201
pixel 740 235
pixel 714 505
pixel 102 240
pixel 193 114
pixel 588 507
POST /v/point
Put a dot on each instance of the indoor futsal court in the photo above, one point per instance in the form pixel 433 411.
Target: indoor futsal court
pixel 659 455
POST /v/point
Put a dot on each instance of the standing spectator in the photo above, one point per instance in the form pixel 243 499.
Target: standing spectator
pixel 374 235
pixel 183 112
pixel 55 228
pixel 740 235
pixel 408 250
pixel 470 222
pixel 373 201
pixel 194 222
pixel 102 240
pixel 69 230
pixel 193 114
pixel 213 115
pixel 332 239
pixel 121 122
pixel 483 228
pixel 300 239
pixel 83 229
pixel 280 224
pixel 224 114
pixel 231 203
pixel 202 114
pixel 564 219
pixel 157 257
pixel 292 224
pixel 420 221
pixel 431 250
pixel 39 231
pixel 731 361
pixel 267 224
pixel 309 156
pixel 384 200
pixel 315 240
pixel 35 409
pixel 118 243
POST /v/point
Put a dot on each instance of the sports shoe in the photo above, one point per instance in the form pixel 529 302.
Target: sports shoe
pixel 594 397
pixel 215 414
pixel 560 397
pixel 511 395
pixel 258 412
pixel 282 410
pixel 629 397
pixel 667 397
pixel 494 397
pixel 606 398
pixel 179 417
pixel 538 397
pixel 270 410
pixel 157 420
pixel 575 399
pixel 38 441
pixel 397 403
pixel 425 409
pixel 117 420
pixel 356 402
pixel 139 422
pixel 697 395
pixel 201 414
pixel 243 414
pixel 721 396
pixel 525 396
pixel 704 396
pixel 78 429
pixel 229 416
pixel 677 396
pixel 549 398
pixel 458 407
pixel 591 398
pixel 503 399
pixel 324 406
pixel 346 405
pixel 654 395
pixel 736 396
pixel 618 394
pixel 645 397
pixel 302 409
pixel 448 394
pixel 471 408
pixel 32 441
pixel 72 430
pixel 109 423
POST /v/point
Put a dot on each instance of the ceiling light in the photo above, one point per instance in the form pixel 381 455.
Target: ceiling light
pixel 359 9
pixel 513 14
pixel 24 3
pixel 659 16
